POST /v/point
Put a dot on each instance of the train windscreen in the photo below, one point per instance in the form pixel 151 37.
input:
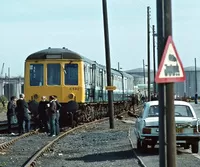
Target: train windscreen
pixel 71 74
pixel 53 74
pixel 36 75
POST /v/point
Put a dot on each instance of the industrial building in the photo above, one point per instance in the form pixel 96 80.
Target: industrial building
pixel 11 86
pixel 180 88
pixel 188 87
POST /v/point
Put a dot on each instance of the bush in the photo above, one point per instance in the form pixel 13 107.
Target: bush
pixel 3 100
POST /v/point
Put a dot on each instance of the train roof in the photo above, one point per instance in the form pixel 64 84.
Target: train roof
pixel 49 53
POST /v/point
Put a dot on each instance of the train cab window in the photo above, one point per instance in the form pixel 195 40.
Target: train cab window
pixel 71 74
pixel 36 74
pixel 53 74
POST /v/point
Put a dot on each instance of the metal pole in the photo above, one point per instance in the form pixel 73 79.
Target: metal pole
pixel 108 64
pixel 161 95
pixel 196 93
pixel 170 117
pixel 148 50
pixel 118 66
pixel 9 83
pixel 144 71
pixel 154 60
pixel 195 75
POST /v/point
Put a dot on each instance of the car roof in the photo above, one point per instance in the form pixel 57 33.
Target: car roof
pixel 176 102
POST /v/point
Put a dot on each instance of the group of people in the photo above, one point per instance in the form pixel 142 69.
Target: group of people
pixel 45 114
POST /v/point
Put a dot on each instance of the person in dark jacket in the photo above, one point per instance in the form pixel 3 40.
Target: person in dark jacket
pixel 58 106
pixel 11 115
pixel 23 115
pixel 52 109
pixel 33 107
pixel 43 115
pixel 133 100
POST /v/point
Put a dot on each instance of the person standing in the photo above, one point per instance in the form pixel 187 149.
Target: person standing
pixel 23 115
pixel 133 101
pixel 43 116
pixel 52 109
pixel 57 123
pixel 11 115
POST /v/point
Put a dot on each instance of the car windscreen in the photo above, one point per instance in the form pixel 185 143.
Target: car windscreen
pixel 179 111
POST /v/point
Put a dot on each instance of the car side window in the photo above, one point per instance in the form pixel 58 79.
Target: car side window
pixel 182 111
pixel 153 111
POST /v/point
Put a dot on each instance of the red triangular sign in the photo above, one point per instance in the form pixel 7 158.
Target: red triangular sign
pixel 170 68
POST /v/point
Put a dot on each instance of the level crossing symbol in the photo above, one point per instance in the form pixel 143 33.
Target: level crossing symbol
pixel 170 68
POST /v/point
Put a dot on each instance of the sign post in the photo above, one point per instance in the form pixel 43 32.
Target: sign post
pixel 170 70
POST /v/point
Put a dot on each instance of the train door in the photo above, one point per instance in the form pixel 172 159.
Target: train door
pixel 87 81
pixel 93 82
pixel 101 85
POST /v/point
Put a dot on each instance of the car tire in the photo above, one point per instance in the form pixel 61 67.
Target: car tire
pixel 138 144
pixel 195 147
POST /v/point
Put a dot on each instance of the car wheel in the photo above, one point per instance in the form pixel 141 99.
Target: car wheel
pixel 195 147
pixel 138 144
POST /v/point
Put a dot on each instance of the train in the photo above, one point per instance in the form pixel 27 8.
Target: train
pixel 173 68
pixel 74 78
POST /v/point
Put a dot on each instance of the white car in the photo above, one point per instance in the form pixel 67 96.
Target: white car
pixel 187 131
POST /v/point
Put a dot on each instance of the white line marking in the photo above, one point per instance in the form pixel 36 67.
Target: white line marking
pixel 188 151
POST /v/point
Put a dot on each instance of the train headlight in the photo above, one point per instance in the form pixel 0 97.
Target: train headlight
pixel 71 96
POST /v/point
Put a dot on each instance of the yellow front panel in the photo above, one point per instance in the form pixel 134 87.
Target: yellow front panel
pixel 62 91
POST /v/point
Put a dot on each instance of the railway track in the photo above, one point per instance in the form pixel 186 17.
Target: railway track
pixel 32 161
pixel 38 153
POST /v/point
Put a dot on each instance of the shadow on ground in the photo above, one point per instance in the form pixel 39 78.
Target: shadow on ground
pixel 109 156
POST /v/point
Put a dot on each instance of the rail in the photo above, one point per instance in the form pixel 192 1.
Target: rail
pixel 32 161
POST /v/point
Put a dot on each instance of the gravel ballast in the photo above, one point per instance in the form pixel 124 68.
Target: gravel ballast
pixel 95 146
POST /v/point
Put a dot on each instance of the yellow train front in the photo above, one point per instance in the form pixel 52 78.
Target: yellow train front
pixel 54 72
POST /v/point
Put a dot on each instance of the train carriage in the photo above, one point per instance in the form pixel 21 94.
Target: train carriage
pixel 72 77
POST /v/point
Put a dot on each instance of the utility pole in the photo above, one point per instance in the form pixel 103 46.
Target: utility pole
pixel 195 63
pixel 196 93
pixel 144 71
pixel 161 87
pixel 170 117
pixel 148 51
pixel 9 83
pixel 154 59
pixel 108 64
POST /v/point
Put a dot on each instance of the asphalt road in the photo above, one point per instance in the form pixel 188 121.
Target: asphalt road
pixel 184 157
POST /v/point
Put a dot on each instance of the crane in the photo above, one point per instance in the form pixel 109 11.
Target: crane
pixel 2 69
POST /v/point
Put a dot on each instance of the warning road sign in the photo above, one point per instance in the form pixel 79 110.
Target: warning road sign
pixel 170 68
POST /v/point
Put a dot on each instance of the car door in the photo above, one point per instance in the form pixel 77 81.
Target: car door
pixel 139 122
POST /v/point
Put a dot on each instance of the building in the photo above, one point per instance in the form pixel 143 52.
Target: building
pixel 140 72
pixel 11 86
pixel 188 87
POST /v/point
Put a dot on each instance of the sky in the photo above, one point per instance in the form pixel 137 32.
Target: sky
pixel 28 26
